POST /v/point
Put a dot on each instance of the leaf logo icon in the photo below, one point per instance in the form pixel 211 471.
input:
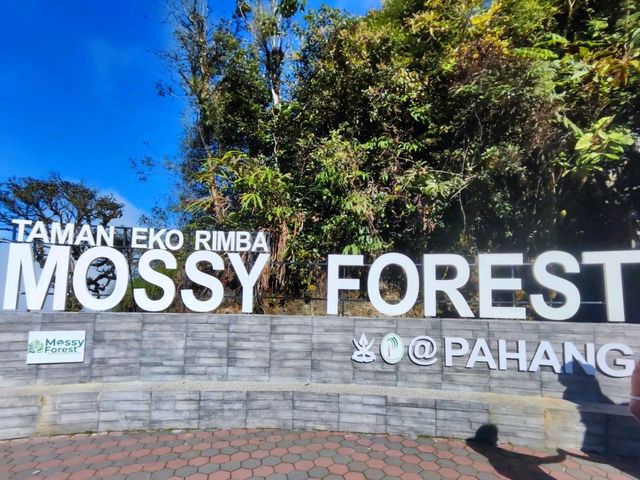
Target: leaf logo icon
pixel 392 348
pixel 35 347
pixel 363 353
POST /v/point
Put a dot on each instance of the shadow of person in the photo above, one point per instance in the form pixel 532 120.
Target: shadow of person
pixel 508 463
pixel 581 385
pixel 583 389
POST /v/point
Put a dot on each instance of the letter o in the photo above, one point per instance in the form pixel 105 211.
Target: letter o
pixel 80 278
pixel 170 243
pixel 413 284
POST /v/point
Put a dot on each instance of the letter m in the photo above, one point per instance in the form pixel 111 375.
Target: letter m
pixel 21 265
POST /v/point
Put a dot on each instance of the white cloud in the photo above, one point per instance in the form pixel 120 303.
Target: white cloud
pixel 130 213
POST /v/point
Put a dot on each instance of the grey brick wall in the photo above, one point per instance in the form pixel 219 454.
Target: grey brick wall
pixel 218 371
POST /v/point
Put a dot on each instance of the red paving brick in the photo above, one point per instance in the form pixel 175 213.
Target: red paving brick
pixel 82 475
pixel 323 462
pixel 154 466
pixel 220 476
pixel 263 471
pixel 338 469
pixel 291 454
pixel 107 472
pixel 284 468
pixel 131 469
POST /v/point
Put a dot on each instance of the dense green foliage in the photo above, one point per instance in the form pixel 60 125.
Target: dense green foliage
pixel 433 125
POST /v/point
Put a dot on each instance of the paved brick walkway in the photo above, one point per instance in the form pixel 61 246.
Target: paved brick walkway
pixel 289 455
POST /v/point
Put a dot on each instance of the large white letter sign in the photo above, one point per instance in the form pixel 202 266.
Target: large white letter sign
pixel 121 281
pixel 147 273
pixel 448 286
pixel 248 279
pixel 450 352
pixel 612 262
pixel 560 285
pixel 204 279
pixel 413 284
pixel 335 283
pixel 487 285
pixel 21 226
pixel 627 364
pixel 20 263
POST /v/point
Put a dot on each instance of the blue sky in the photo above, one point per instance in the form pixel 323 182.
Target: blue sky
pixel 78 96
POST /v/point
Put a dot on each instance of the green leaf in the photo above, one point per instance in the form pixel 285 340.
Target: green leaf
pixel 584 142
pixel 603 122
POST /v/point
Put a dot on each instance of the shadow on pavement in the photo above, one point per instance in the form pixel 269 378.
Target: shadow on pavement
pixel 508 463
pixel 626 465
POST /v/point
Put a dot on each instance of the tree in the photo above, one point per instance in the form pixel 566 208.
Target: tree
pixel 56 200
pixel 234 87
pixel 270 23
pixel 428 126
pixel 221 79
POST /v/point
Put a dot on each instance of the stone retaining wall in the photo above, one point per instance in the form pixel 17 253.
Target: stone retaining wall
pixel 204 371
